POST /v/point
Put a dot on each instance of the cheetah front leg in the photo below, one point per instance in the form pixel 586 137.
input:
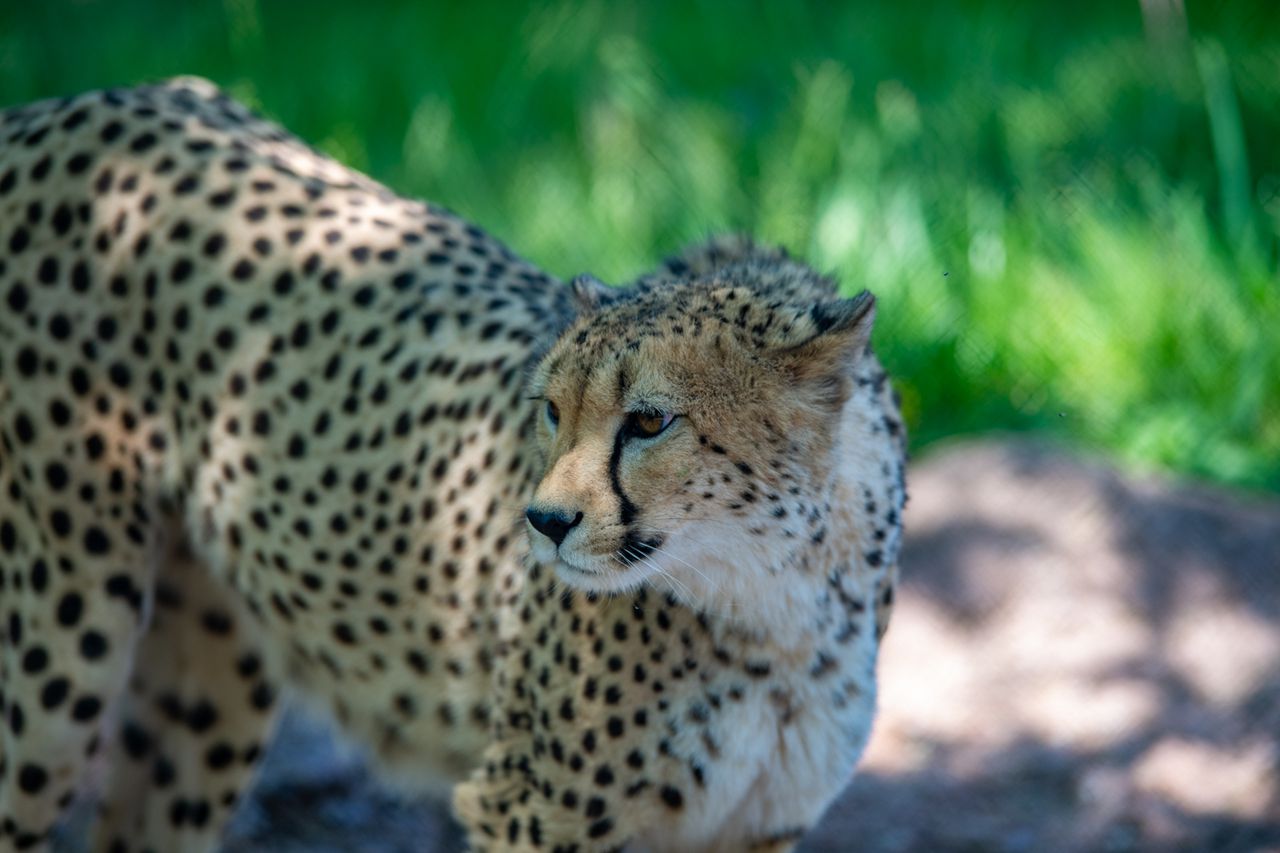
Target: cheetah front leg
pixel 193 721
pixel 506 807
pixel 70 611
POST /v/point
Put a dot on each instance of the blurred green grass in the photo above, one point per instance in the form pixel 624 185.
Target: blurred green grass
pixel 1070 212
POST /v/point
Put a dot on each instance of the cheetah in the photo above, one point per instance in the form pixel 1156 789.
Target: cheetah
pixel 611 565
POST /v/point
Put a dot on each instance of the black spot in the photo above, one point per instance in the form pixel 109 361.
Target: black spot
pixel 93 645
pixel 143 142
pixel 135 740
pixel 60 521
pixel 48 271
pixel 35 660
pixel 61 220
pixel 59 327
pixel 263 696
pixel 163 772
pixel 216 622
pixel 32 778
pixel 54 693
pixel 78 163
pixel 39 576
pixel 86 709
pixel 672 797
pixel 75 119
pixel 219 756
pixel 181 271
pixel 96 542
pixel 120 375
pixel 201 717
pixel 19 240
pixel 70 609
pixel 283 284
pixel 18 297
pixel 41 168
pixel 28 362
pixel 106 329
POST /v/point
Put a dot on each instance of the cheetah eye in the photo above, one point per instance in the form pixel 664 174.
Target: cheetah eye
pixel 553 414
pixel 648 424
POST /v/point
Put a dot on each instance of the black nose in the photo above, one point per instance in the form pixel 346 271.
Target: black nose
pixel 555 524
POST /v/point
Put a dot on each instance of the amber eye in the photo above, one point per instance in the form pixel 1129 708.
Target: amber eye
pixel 648 424
pixel 553 413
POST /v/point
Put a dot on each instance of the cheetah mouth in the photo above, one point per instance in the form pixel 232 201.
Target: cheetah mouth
pixel 598 580
pixel 563 564
pixel 577 576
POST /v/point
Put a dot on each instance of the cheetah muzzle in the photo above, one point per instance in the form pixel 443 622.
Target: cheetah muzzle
pixel 611 563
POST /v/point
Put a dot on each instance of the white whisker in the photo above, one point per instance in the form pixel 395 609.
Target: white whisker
pixel 680 586
pixel 692 567
pixel 634 556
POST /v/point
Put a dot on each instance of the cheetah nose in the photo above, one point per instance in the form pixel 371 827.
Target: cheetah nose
pixel 554 524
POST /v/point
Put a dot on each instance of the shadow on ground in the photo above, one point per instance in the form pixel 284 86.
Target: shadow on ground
pixel 1079 660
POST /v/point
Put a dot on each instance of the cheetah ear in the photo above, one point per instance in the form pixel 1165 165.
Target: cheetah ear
pixel 590 294
pixel 823 365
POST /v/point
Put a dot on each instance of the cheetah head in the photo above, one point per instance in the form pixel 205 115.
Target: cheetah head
pixel 691 431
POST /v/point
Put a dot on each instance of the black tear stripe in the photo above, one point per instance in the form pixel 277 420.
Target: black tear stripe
pixel 634 546
pixel 626 509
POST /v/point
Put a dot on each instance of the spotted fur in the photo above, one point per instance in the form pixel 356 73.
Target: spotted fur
pixel 266 426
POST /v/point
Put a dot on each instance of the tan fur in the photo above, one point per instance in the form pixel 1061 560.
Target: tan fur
pixel 266 428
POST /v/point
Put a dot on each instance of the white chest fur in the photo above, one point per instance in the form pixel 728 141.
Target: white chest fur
pixel 786 754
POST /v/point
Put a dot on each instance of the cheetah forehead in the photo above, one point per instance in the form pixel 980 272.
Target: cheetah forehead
pixel 739 313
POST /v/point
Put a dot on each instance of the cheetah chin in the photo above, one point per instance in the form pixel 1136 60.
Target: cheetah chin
pixel 598 582
pixel 610 564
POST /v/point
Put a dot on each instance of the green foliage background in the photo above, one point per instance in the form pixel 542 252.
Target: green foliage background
pixel 1070 211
